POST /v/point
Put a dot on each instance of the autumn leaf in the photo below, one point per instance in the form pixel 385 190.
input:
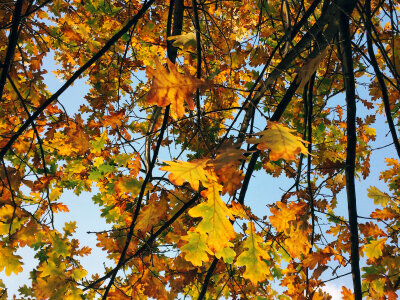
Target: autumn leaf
pixel 396 53
pixel 374 248
pixel 171 87
pixel 227 156
pixel 308 68
pixel 196 249
pixel 186 41
pixel 99 143
pixel 256 268
pixel 280 140
pixel 286 213
pixel 347 294
pixel 214 223
pixel 297 243
pixel 9 262
pixel 231 180
pixel 151 214
pixel 321 257
pixel 192 172
pixel 378 196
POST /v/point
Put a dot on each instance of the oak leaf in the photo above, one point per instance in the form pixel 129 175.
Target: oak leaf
pixel 309 67
pixel 286 213
pixel 151 214
pixel 214 223
pixel 196 249
pixel 378 196
pixel 280 140
pixel 192 172
pixel 9 261
pixel 256 269
pixel 171 87
pixel 347 294
pixel 227 156
pixel 186 41
pixel 374 248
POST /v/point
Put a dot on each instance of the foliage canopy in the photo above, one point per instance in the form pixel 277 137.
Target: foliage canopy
pixel 187 99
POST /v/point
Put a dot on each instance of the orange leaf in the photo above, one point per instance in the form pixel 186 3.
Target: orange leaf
pixel 347 294
pixel 171 87
pixel 151 214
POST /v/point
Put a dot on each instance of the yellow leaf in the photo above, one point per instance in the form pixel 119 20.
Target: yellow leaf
pixel 171 87
pixel 214 223
pixel 281 141
pixel 192 172
pixel 186 41
pixel 374 248
pixel 9 261
pixel 256 269
pixel 227 254
pixel 378 196
pixel 196 249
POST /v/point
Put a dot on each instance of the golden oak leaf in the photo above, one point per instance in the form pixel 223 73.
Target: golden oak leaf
pixel 281 141
pixel 171 87
pixel 192 172
pixel 9 261
pixel 186 41
pixel 238 210
pixel 151 214
pixel 196 249
pixel 384 214
pixel 374 248
pixel 252 258
pixel 378 196
pixel 214 223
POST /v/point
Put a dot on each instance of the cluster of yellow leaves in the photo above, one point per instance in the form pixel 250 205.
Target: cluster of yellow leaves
pixel 212 235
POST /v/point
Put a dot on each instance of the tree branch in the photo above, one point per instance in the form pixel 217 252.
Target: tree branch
pixel 349 83
pixel 12 43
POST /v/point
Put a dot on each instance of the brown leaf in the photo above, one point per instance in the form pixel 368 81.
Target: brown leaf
pixel 308 68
